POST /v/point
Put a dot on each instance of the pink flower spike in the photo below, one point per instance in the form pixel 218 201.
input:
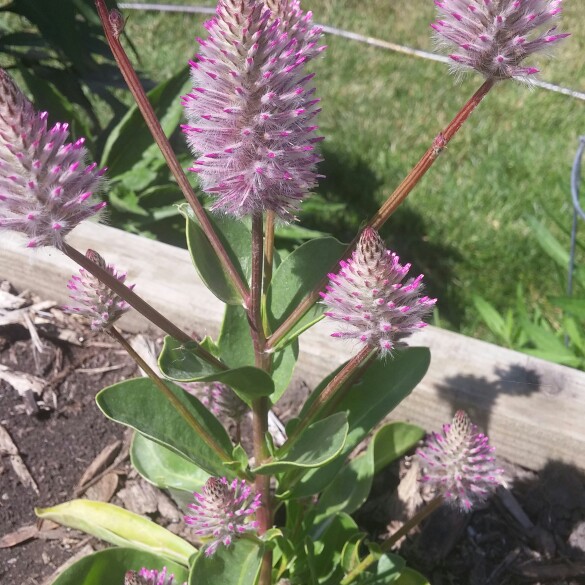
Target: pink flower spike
pixel 94 299
pixel 459 464
pixel 150 577
pixel 252 68
pixel 495 37
pixel 387 311
pixel 43 175
pixel 222 512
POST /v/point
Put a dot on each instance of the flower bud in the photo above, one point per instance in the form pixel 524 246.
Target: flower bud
pixel 368 298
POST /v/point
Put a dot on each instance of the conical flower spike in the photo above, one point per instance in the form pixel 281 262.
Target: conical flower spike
pixel 223 511
pixel 460 464
pixel 495 36
pixel 150 577
pixel 46 188
pixel 368 296
pixel 95 300
pixel 251 112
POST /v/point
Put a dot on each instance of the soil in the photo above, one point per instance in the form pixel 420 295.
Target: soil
pixel 533 532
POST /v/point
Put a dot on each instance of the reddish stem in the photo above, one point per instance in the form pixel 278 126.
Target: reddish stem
pixel 260 406
pixel 334 392
pixel 160 138
pixel 390 205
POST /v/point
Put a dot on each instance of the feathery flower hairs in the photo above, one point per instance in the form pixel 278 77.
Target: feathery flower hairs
pixel 150 577
pixel 495 36
pixel 222 511
pixel 368 296
pixel 46 188
pixel 251 110
pixel 96 300
pixel 459 463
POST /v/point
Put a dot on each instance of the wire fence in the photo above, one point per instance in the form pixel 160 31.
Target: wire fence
pixel 346 35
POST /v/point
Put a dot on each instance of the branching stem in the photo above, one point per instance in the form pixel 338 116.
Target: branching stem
pixel 390 205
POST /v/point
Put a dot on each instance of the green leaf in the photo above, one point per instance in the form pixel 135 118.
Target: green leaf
pixel 388 569
pixel 383 386
pixel 178 362
pixel 237 565
pixel 299 273
pixel 132 130
pixel 237 349
pixel 139 404
pixel 350 554
pixel 318 444
pixel 283 365
pixel 110 566
pixel 120 527
pixel 163 467
pixel 235 344
pixel 409 576
pixel 350 489
pixel 236 239
pixel 574 306
pixel 329 542
pixel 491 318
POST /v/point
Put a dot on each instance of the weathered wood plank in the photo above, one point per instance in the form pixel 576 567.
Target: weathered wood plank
pixel 533 410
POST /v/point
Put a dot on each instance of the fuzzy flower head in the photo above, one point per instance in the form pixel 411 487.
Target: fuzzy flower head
pixel 46 188
pixel 459 463
pixel 251 112
pixel 495 36
pixel 150 577
pixel 371 301
pixel 94 299
pixel 222 400
pixel 222 511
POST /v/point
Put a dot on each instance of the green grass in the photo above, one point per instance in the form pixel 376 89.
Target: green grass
pixel 463 224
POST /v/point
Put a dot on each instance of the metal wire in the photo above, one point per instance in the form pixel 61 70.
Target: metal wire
pixel 347 35
pixel 577 209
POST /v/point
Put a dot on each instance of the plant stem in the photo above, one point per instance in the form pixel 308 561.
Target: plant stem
pixel 334 391
pixel 179 407
pixel 139 304
pixel 160 138
pixel 390 542
pixel 429 157
pixel 390 205
pixel 260 406
pixel 268 250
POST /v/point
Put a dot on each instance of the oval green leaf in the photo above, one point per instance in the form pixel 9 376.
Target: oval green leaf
pixel 178 362
pixel 237 565
pixel 237 241
pixel 163 467
pixel 139 404
pixel 318 444
pixel 120 527
pixel 110 565
pixel 300 272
